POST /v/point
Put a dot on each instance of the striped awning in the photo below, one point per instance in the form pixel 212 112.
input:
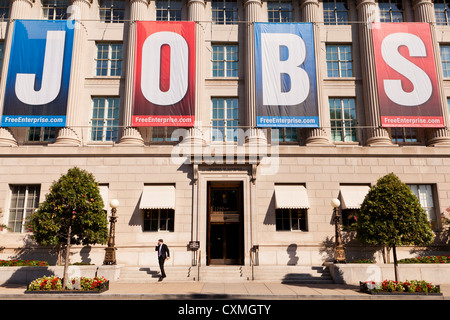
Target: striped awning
pixel 353 196
pixel 158 197
pixel 291 197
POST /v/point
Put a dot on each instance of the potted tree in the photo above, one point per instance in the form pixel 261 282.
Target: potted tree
pixel 392 216
pixel 72 213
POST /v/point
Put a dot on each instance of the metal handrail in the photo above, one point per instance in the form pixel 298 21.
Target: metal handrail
pixel 252 263
pixel 198 264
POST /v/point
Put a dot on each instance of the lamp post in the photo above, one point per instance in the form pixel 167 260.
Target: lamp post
pixel 110 254
pixel 339 253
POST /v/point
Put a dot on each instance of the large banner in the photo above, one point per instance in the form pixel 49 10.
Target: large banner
pixel 285 71
pixel 408 89
pixel 164 83
pixel 38 78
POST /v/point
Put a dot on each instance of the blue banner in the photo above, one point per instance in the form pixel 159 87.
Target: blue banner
pixel 37 84
pixel 285 72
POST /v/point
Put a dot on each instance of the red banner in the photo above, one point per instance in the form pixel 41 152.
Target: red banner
pixel 408 88
pixel 164 77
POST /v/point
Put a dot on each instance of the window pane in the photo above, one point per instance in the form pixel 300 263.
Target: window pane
pixel 109 59
pixel 225 60
pixel 24 200
pixel 335 12
pixel 339 61
pixel 224 11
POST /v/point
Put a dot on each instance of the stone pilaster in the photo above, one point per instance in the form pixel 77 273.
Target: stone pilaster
pixel 19 9
pixel 424 12
pixel 376 134
pixel 130 135
pixel 70 134
pixel 196 13
pixel 252 12
pixel 316 136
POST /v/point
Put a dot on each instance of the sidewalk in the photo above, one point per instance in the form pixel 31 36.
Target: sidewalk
pixel 212 290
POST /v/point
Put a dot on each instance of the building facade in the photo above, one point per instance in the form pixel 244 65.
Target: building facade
pixel 244 193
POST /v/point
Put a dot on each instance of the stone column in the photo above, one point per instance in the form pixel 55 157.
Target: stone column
pixel 317 136
pixel 376 134
pixel 252 11
pixel 71 135
pixel 19 9
pixel 132 135
pixel 424 12
pixel 196 10
pixel 196 13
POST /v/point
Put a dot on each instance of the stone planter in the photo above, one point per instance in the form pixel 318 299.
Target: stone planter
pixel 102 288
pixel 363 288
pixel 24 275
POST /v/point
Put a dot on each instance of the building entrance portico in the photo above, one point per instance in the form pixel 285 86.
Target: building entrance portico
pixel 222 215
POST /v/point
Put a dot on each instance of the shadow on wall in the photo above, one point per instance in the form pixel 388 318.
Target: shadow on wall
pixel 292 253
pixel 269 219
pixel 32 251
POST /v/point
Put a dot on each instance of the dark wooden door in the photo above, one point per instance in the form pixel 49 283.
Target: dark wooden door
pixel 225 223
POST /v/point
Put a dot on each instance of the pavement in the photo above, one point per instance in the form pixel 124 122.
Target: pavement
pixel 252 290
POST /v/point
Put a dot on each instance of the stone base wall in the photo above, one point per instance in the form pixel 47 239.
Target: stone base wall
pixel 353 273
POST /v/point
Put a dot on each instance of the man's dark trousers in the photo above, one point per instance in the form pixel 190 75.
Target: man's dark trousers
pixel 161 266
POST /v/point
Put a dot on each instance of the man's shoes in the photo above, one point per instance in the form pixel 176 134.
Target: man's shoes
pixel 160 278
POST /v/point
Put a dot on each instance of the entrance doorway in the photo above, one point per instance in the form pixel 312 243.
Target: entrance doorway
pixel 225 223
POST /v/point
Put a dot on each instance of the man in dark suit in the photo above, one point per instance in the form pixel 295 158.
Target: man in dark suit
pixel 163 255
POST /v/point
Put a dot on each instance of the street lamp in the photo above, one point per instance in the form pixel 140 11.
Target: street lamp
pixel 339 253
pixel 110 254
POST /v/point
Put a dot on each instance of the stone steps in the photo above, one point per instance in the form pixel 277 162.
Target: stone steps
pixel 225 273
pixel 284 274
pixel 151 274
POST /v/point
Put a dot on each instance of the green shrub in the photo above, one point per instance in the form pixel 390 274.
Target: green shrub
pixel 427 259
pixel 23 263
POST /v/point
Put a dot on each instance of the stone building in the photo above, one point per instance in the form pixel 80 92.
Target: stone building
pixel 243 192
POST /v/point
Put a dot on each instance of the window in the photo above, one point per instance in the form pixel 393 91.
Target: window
pixel 224 119
pixel 159 220
pixel 424 192
pixel 339 61
pixel 445 58
pixel 291 219
pixel 343 119
pixel 164 134
pixel 4 9
pixel 404 135
pixel 390 10
pixel 41 134
pixel 105 119
pixel 442 12
pixel 109 59
pixel 168 10
pixel 279 11
pixel 224 11
pixel 349 217
pixel 284 134
pixel 54 9
pixel 225 60
pixel 335 12
pixel 24 201
pixel 112 11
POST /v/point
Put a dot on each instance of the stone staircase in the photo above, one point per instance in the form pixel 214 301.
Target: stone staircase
pixel 283 274
pixel 151 274
pixel 225 273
